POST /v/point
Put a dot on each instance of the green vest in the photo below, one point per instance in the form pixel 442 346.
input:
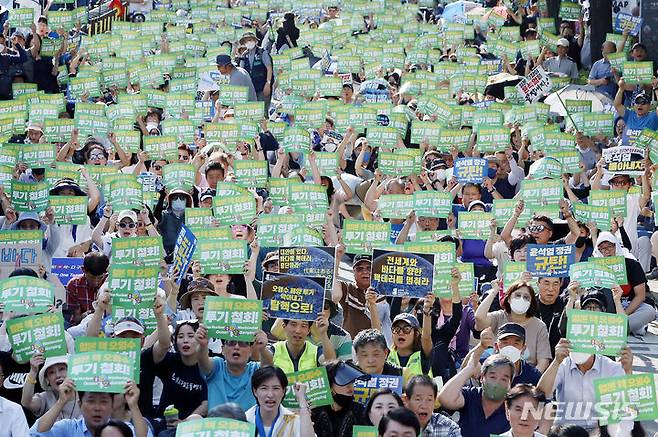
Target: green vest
pixel 414 365
pixel 307 361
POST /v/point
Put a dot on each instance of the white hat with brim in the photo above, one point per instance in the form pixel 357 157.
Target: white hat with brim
pixel 127 213
pixel 50 361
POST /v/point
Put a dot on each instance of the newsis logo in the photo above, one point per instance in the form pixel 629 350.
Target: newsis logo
pixel 581 411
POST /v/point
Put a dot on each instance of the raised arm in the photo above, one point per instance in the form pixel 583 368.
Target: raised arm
pixel 546 383
pixel 97 233
pixel 506 235
pixel 482 316
pixel 426 333
pixel 451 396
pixel 162 346
pixel 205 362
pixel 102 307
pixel 619 98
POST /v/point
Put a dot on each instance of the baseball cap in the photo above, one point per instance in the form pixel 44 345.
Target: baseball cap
pixel 207 193
pixel 127 213
pixel 477 203
pixel 410 319
pixel 129 323
pixel 509 329
pixel 593 296
pixel 223 60
pixel 346 373
pixel 641 99
pixel 358 258
pixel 563 42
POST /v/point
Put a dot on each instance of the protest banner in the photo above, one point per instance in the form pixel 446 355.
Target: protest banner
pixel 364 431
pixel 536 84
pixel 251 173
pixel 628 23
pixel 102 372
pixel 42 333
pixel 69 210
pixel 28 196
pixel 364 389
pixel 125 194
pixel 570 11
pixel 183 252
pixel 471 170
pixel 132 285
pixel 178 176
pixel 221 256
pixel 309 196
pixel 626 160
pixel 474 225
pixel 626 397
pixel 26 295
pixel 616 264
pixel 360 237
pixel 431 203
pixel 232 319
pixel 396 206
pixel 600 215
pixel 293 297
pixel 402 274
pixel 66 268
pixel 590 275
pixel 37 155
pixel 392 164
pixel 199 217
pixel 215 426
pixel 308 261
pixel 130 347
pixel 137 251
pixel 550 260
pixel 595 332
pixel 20 249
pixel 638 73
pixel 234 210
pixel 318 391
pixel 303 236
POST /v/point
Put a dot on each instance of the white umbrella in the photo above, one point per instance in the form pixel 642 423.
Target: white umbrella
pixel 600 102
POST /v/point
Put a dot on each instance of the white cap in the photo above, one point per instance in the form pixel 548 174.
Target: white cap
pixel 563 42
pixel 128 213
pixel 50 361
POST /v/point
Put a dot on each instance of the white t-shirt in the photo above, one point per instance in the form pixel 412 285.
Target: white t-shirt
pixel 82 233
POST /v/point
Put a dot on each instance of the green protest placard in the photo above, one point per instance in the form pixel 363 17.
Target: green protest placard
pixel 161 147
pixel 43 333
pixel 251 173
pixel 273 227
pixel 89 125
pixel 130 347
pixel 589 275
pixel 364 431
pixel 104 372
pixel 596 332
pixel 27 295
pixel 432 203
pixel 327 163
pixel 230 95
pixel 215 426
pixel 360 237
pixel 600 215
pixel 125 194
pixel 648 138
pixel 474 225
pixel 308 196
pixel 616 264
pixel 393 164
pixel 638 72
pixel 626 397
pixel 570 11
pixel 58 129
pixel 69 210
pixel 384 136
pixel 26 196
pixel 80 85
pixel 221 256
pixel 132 285
pixel 249 111
pixel 396 206
pixel 129 140
pixel 198 217
pixel 303 236
pixel 142 311
pixel 540 193
pixel 37 155
pixel 441 285
pixel 234 209
pixel 490 138
pixel 318 392
pixel 232 319
pixel 512 272
pixel 296 140
pixel 183 130
pixel 21 17
pixel 137 251
pixel 575 106
pixel 178 175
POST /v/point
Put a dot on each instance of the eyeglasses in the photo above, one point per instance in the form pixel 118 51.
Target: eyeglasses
pixel 124 225
pixel 234 343
pixel 184 157
pixel 95 156
pixel 404 329
pixel 535 229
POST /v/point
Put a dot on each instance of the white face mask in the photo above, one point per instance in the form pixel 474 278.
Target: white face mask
pixel 579 357
pixel 519 305
pixel 250 45
pixel 512 353
pixel 151 125
pixel 440 174
pixel 2 48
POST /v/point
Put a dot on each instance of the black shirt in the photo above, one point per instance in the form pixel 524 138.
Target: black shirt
pixel 550 315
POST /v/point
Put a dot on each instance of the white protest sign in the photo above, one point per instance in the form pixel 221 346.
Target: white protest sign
pixel 534 85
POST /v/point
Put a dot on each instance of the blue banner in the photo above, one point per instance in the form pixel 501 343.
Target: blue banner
pixel 364 389
pixel 470 170
pixel 308 261
pixel 293 297
pixel 550 260
pixel 183 251
pixel 628 22
pixel 401 274
pixel 66 268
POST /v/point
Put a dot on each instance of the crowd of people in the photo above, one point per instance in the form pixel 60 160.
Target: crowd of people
pixel 208 108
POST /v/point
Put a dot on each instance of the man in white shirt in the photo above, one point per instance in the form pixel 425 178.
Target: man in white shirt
pixel 12 418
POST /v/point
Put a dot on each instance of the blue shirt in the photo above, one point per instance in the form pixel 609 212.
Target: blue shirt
pixel 471 416
pixel 528 375
pixel 72 428
pixel 223 387
pixel 635 124
pixel 602 70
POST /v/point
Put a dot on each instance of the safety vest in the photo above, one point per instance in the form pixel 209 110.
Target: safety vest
pixel 307 361
pixel 414 365
pixel 257 70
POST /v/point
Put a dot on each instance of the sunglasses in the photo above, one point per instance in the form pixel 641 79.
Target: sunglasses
pixel 123 225
pixel 641 102
pixel 404 329
pixel 95 156
pixel 534 229
pixel 234 343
